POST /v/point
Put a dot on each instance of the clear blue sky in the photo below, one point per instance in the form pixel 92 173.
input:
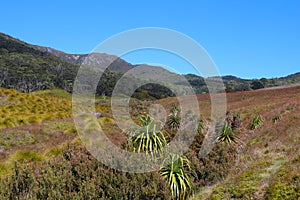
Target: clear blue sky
pixel 250 39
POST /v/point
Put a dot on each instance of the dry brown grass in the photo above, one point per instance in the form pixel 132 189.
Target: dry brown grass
pixel 266 150
pixel 263 153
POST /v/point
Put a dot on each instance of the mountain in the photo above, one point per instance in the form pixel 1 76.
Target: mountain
pixel 26 68
pixel 100 59
pixel 13 45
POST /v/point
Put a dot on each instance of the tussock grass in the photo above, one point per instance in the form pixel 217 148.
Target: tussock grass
pixel 71 131
pixel 92 128
pixel 54 152
pixel 21 109
pixel 4 169
pixel 34 120
pixel 106 121
pixel 26 156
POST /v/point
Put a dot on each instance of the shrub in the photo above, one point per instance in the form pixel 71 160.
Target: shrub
pixel 106 120
pixel 174 121
pixel 256 122
pixel 227 134
pixel 4 169
pixel 276 118
pixel 79 176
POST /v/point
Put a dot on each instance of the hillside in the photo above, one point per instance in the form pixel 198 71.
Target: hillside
pixel 26 68
pixel 263 165
pixel 268 165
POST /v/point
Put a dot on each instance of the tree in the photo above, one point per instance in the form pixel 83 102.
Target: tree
pixel 231 86
pixel 264 82
pixel 256 122
pixel 256 84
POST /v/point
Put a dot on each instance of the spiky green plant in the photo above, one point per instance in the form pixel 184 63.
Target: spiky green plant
pixel 177 177
pixel 256 122
pixel 175 109
pixel 276 118
pixel 145 120
pixel 148 138
pixel 174 121
pixel 227 134
pixel 201 126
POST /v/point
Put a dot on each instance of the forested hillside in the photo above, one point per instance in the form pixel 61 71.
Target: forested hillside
pixel 28 68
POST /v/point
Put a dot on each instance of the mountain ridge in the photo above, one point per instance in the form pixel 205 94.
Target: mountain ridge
pixel 18 58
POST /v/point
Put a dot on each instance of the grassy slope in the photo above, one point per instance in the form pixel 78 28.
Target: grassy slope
pixel 38 121
pixel 268 160
pixel 31 123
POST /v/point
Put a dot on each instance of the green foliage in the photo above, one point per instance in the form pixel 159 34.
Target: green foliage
pixel 25 156
pixel 283 191
pixel 177 177
pixel 79 176
pixel 256 122
pixel 174 121
pixel 175 109
pixel 54 152
pixel 256 84
pixel 201 126
pixel 148 138
pixel 29 68
pixel 22 109
pixel 227 134
pixel 276 118
pixel 4 169
pixel 9 139
pixel 285 184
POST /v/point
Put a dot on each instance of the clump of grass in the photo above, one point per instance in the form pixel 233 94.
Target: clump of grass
pixel 54 152
pixel 227 134
pixel 34 120
pixel 4 169
pixel 106 121
pixel 92 127
pixel 46 117
pixel 21 109
pixel 276 118
pixel 71 131
pixel 22 121
pixel 201 126
pixel 8 122
pixel 26 156
pixel 86 117
pixel 256 122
